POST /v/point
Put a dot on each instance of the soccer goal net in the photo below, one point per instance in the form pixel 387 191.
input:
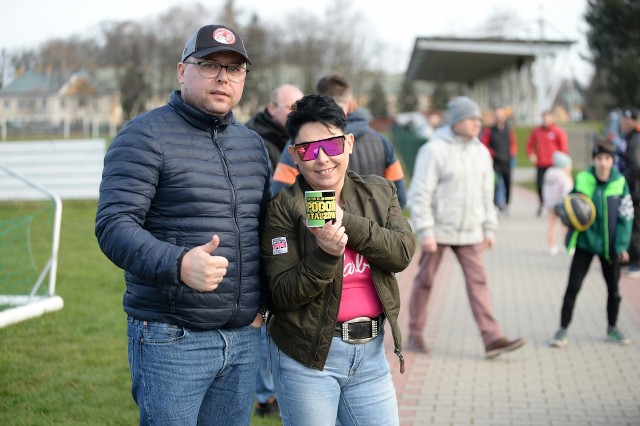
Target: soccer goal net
pixel 30 218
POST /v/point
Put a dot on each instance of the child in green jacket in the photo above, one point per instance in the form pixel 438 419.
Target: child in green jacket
pixel 608 238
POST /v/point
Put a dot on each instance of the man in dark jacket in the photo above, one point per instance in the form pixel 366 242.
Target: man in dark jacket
pixel 629 130
pixel 372 152
pixel 500 138
pixel 184 190
pixel 269 123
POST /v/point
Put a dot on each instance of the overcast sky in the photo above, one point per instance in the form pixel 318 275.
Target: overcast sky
pixel 397 23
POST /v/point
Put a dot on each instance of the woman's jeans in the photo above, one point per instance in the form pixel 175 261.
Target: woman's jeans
pixel 186 377
pixel 355 387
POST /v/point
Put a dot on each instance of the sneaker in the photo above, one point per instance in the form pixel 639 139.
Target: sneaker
pixel 416 344
pixel 633 271
pixel 614 335
pixel 560 339
pixel 502 346
pixel 553 250
pixel 269 408
pixel 539 212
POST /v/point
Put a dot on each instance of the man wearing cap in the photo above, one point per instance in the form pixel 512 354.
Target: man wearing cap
pixel 183 193
pixel 629 130
pixel 451 204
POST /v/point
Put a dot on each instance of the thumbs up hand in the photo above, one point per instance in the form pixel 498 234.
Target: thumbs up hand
pixel 202 271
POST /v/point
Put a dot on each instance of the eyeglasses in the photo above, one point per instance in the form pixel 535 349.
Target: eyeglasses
pixel 212 70
pixel 309 150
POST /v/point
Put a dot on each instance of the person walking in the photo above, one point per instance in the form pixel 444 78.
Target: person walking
pixel 451 204
pixel 556 185
pixel 332 288
pixel 501 140
pixel 607 239
pixel 543 141
pixel 183 194
pixel 630 133
pixel 373 153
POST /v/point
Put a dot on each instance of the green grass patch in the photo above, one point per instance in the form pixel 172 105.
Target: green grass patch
pixel 70 367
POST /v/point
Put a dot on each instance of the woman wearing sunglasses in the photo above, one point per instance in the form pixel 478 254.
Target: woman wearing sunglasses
pixel 331 290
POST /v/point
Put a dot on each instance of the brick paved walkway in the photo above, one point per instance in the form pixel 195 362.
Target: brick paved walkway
pixel 590 382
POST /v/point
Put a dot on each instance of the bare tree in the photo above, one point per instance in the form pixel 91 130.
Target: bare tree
pixel 145 54
pixel 67 55
pixel 165 53
pixel 348 56
pixel 318 47
pixel 408 100
pixel 126 48
pixel 260 82
pixel 503 23
pixel 230 15
pixel 377 100
pixel 4 61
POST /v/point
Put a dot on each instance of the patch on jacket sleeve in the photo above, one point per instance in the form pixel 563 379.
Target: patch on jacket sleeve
pixel 626 208
pixel 279 245
pixel 395 211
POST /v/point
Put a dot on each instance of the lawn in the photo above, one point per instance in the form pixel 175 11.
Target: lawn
pixel 70 367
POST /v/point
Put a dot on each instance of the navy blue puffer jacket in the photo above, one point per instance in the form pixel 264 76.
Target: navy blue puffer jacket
pixel 172 178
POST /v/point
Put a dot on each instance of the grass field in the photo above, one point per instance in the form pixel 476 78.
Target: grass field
pixel 70 367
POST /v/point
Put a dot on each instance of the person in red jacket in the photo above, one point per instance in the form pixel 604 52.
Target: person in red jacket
pixel 543 141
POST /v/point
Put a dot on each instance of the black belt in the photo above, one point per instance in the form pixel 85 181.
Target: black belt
pixel 359 330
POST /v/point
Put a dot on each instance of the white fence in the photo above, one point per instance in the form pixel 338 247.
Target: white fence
pixel 72 169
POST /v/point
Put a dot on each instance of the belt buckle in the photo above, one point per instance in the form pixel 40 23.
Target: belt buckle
pixel 345 330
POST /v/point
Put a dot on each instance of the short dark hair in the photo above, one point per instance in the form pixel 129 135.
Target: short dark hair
pixel 335 86
pixel 315 109
pixel 602 145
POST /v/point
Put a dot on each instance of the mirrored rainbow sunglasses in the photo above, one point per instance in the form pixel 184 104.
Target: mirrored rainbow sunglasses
pixel 309 150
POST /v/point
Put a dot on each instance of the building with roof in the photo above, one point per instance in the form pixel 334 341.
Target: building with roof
pixel 46 101
pixel 494 71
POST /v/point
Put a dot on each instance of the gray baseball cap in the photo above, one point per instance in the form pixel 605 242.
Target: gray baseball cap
pixel 214 38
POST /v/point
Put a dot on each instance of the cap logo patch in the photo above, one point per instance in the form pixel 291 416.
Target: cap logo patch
pixel 224 36
pixel 279 245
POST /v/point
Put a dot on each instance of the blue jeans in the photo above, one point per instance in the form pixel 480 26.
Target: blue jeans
pixel 354 388
pixel 264 380
pixel 186 377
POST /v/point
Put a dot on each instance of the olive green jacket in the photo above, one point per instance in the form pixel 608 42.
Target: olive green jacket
pixel 304 283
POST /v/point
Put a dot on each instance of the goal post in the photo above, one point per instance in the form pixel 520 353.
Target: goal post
pixel 28 252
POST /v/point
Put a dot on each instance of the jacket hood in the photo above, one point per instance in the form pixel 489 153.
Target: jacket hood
pixel 358 122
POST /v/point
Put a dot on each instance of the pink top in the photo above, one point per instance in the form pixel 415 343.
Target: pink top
pixel 359 297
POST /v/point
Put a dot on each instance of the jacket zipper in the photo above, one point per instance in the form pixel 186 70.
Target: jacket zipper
pixel 235 218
